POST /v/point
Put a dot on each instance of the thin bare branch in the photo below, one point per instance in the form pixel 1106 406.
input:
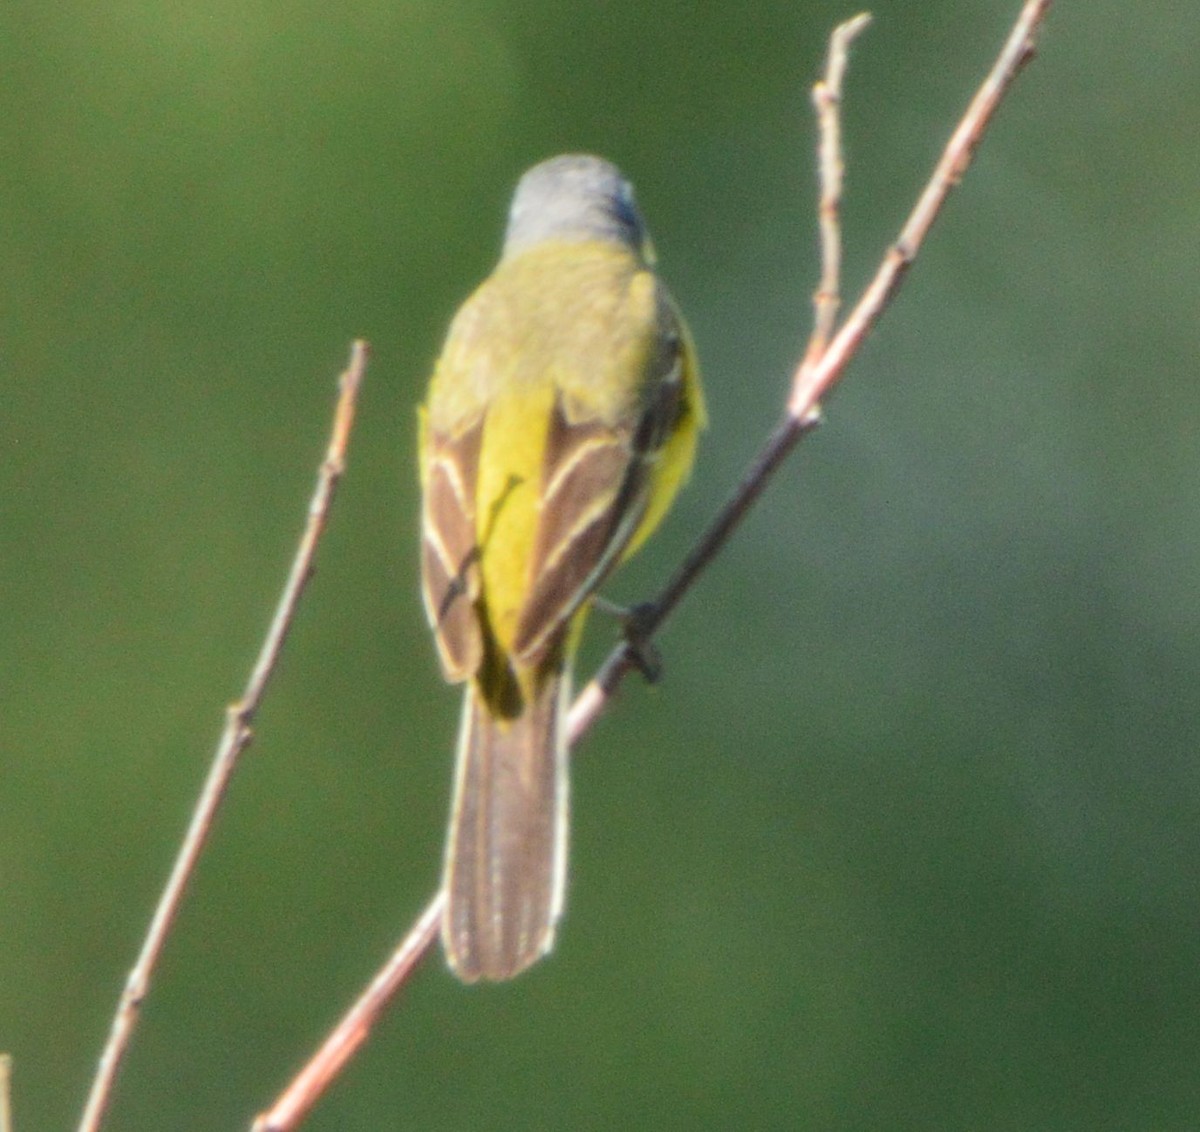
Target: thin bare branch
pixel 822 366
pixel 350 1033
pixel 815 378
pixel 5 1093
pixel 827 99
pixel 234 740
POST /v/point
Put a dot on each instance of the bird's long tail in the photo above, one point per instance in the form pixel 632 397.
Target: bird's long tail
pixel 506 856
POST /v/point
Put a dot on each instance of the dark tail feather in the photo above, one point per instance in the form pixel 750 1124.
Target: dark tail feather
pixel 506 857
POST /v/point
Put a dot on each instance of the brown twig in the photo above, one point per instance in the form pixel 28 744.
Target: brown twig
pixel 234 739
pixel 823 364
pixel 5 1093
pixel 815 378
pixel 354 1028
pixel 827 99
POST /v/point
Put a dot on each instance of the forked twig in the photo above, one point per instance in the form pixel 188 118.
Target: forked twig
pixel 234 739
pixel 824 361
pixel 817 374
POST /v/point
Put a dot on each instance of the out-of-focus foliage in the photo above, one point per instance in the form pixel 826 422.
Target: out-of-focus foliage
pixel 908 837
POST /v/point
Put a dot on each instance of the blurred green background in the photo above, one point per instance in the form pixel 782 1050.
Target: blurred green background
pixel 908 837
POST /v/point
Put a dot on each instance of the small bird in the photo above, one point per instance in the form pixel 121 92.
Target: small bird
pixel 560 422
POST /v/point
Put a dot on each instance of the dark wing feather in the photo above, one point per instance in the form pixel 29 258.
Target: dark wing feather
pixel 595 484
pixel 449 550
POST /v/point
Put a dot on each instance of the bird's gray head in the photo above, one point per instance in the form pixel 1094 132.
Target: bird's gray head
pixel 574 197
